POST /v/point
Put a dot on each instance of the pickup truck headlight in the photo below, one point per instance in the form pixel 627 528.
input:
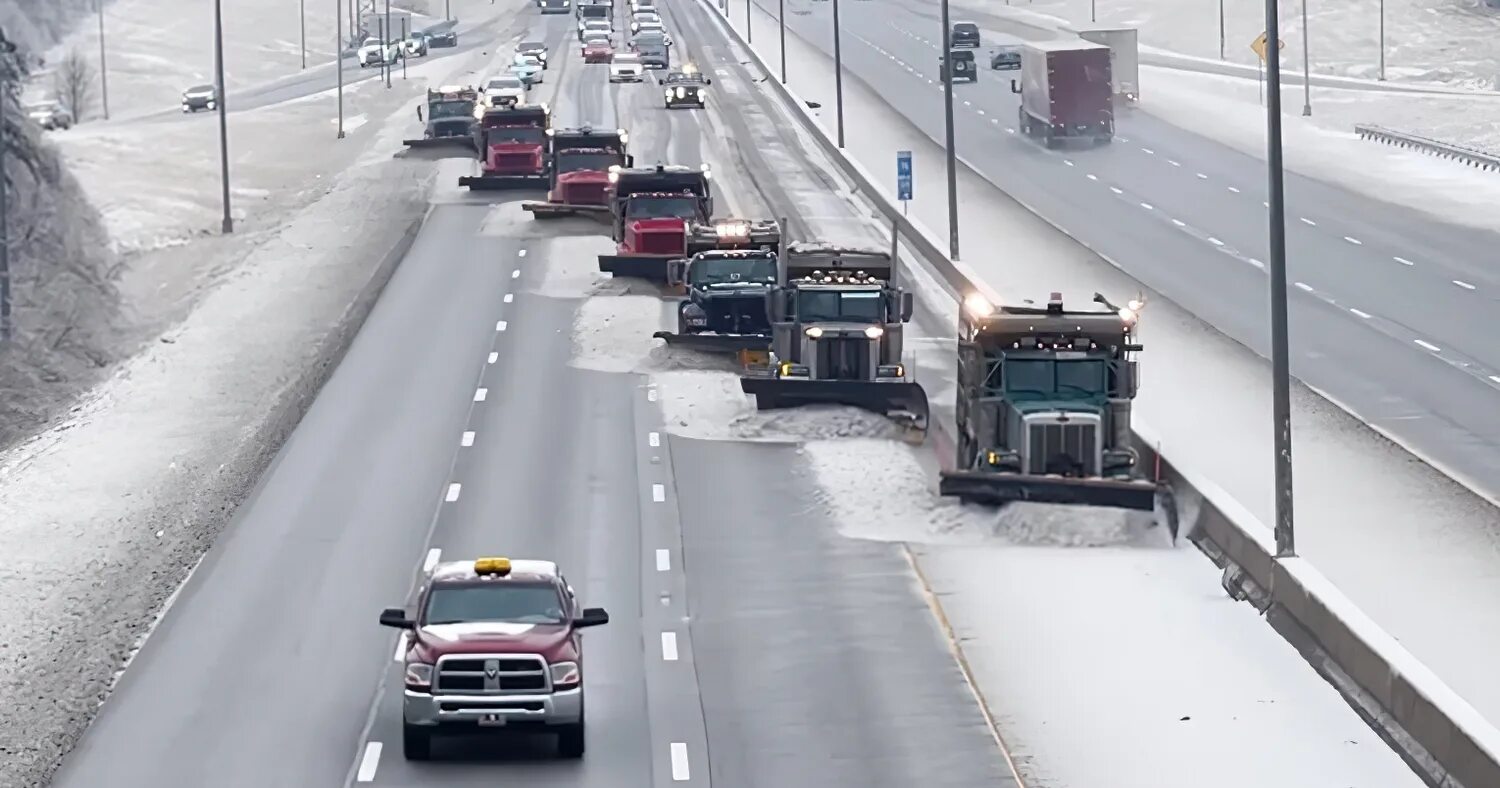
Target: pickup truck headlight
pixel 418 675
pixel 565 675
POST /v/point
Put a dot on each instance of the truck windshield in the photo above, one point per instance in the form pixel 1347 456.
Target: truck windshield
pixel 451 109
pixel 520 603
pixel 596 11
pixel 820 306
pixel 515 134
pixel 573 162
pixel 746 270
pixel 1080 379
pixel 662 208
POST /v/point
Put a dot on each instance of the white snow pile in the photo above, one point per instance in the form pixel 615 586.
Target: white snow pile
pixel 877 489
pixel 572 268
pixel 613 334
pixel 709 405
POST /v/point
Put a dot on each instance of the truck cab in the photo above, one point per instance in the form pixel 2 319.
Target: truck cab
pixel 512 145
pixel 450 112
pixel 494 646
pixel 581 161
pixel 654 206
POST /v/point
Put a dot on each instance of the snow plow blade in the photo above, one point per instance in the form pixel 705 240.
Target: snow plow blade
pixel 650 268
pixel 905 403
pixel 495 183
pixel 549 210
pixel 467 143
pixel 1000 488
pixel 728 344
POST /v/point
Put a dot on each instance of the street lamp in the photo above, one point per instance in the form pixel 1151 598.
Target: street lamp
pixel 1306 76
pixel 947 73
pixel 228 223
pixel 749 29
pixel 338 55
pixel 1221 29
pixel 385 53
pixel 302 27
pixel 1382 40
pixel 103 70
pixel 838 72
pixel 7 331
pixel 781 19
pixel 1281 401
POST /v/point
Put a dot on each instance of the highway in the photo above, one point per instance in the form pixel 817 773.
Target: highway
pixel 456 426
pixel 1388 307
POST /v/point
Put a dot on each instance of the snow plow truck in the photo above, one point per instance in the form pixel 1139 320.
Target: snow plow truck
pixel 579 164
pixel 512 145
pixel 449 118
pixel 726 289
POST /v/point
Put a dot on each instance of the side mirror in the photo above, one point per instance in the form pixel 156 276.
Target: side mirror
pixel 708 80
pixel 629 161
pixel 396 617
pixel 1015 87
pixel 419 112
pixel 906 307
pixel 592 617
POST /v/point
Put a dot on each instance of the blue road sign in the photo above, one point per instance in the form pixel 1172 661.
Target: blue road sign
pixel 903 175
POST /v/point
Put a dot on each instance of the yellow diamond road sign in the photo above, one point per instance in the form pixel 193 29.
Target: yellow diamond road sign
pixel 1259 46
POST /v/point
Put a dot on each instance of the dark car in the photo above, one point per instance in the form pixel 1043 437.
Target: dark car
pixel 1006 58
pixel 962 61
pixel 200 97
pixel 554 6
pixel 447 38
pixel 965 34
pixel 686 88
pixel 536 49
pixel 654 49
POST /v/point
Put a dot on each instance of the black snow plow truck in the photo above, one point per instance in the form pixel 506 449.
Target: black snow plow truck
pixel 836 323
pixel 1044 397
pixel 726 288
pixel 449 118
pixel 664 213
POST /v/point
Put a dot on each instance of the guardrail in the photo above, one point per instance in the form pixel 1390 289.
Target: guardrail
pixel 1444 739
pixel 1474 157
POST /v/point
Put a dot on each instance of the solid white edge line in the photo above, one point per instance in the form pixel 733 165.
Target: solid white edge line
pixel 467 439
pixel 433 556
pixel 654 439
pixel 453 492
pixel 658 492
pixel 669 646
pixel 679 761
pixel 369 763
pixel 480 395
pixel 663 559
pixel 1424 343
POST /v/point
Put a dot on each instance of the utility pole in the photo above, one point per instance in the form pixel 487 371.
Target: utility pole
pixel 338 54
pixel 103 70
pixel 405 20
pixel 948 134
pixel 7 330
pixel 302 26
pixel 838 72
pixel 228 223
pixel 749 30
pixel 1281 400
pixel 1306 76
pixel 781 19
pixel 385 44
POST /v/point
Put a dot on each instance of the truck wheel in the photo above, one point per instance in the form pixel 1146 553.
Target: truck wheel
pixel 416 743
pixel 570 741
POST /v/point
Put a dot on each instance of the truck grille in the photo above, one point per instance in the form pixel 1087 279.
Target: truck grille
pixel 844 358
pixel 660 242
pixel 737 314
pixel 451 129
pixel 498 674
pixel 586 194
pixel 1066 448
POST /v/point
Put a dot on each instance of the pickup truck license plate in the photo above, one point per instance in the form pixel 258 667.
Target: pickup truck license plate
pixel 492 720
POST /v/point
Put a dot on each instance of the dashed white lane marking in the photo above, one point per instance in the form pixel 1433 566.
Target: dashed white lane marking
pixel 516 274
pixel 1463 284
pixel 1068 162
pixel 1092 177
pixel 1424 343
pixel 1403 261
pixel 481 395
pixel 1009 130
pixel 509 297
pixel 1179 222
pixel 432 559
pixel 1174 163
pixel 1116 190
pixel 401 647
pixel 1147 206
pixel 1303 286
pixel 1495 378
pixel 467 439
pixel 663 560
pixel 1359 313
pixel 500 326
pixel 369 763
pixel 1149 152
pixel 1354 240
pixel 654 439
pixel 679 761
pixel 453 490
pixel 521 253
pixel 1215 242
pixel 1308 222
pixel 494 356
pixel 669 646
pixel 1231 188
pixel 658 493
pixel 1257 263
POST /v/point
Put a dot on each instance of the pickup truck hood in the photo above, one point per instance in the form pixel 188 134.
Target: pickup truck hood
pixel 492 638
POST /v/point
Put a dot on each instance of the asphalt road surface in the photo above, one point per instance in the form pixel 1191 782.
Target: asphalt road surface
pixel 1389 306
pixel 456 427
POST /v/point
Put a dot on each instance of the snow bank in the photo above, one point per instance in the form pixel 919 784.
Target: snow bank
pixel 572 268
pixel 613 334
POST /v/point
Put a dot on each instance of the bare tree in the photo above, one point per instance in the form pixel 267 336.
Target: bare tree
pixel 73 82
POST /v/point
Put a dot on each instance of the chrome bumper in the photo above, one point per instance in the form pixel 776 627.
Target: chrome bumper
pixel 558 708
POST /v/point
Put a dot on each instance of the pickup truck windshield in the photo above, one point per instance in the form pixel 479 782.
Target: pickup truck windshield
pixel 451 109
pixel 717 271
pixel 662 208
pixel 1080 379
pixel 573 162
pixel 520 603
pixel 862 306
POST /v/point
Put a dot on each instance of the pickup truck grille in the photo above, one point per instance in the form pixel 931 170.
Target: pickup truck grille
pixel 491 674
pixel 1063 448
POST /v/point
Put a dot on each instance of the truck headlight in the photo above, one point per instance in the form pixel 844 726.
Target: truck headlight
pixel 814 332
pixel 565 675
pixel 418 675
pixel 874 332
pixel 669 94
pixel 681 92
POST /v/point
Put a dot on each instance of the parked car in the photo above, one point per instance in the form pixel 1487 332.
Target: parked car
pixel 50 115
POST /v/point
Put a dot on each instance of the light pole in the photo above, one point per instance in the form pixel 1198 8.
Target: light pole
pixel 302 28
pixel 228 223
pixel 1382 40
pixel 448 10
pixel 781 19
pixel 103 70
pixel 1306 77
pixel 947 73
pixel 1221 29
pixel 838 73
pixel 749 30
pixel 1093 11
pixel 7 331
pixel 405 20
pixel 338 55
pixel 1281 401
pixel 385 52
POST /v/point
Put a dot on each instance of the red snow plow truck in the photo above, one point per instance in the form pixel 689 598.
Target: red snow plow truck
pixel 664 213
pixel 512 145
pixel 580 162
